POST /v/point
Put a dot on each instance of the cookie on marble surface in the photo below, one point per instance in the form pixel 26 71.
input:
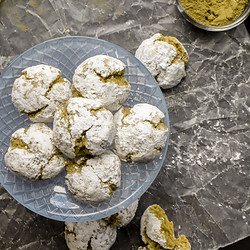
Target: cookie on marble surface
pixel 140 133
pixel 32 153
pixel 157 231
pixel 125 216
pixel 95 235
pixel 82 127
pixel 94 179
pixel 102 78
pixel 165 57
pixel 39 90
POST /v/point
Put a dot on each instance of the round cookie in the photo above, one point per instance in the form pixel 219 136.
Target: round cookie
pixel 140 133
pixel 165 57
pixel 94 179
pixel 158 232
pixel 32 153
pixel 125 216
pixel 102 78
pixel 38 91
pixel 95 235
pixel 83 126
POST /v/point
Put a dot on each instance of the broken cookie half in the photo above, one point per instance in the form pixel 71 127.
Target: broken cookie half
pixel 158 232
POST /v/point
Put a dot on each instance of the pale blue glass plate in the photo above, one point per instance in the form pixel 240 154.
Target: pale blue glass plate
pixel 51 198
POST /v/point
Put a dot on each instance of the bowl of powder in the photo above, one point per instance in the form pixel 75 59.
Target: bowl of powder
pixel 214 15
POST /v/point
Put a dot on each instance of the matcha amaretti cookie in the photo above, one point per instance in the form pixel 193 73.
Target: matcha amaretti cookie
pixel 102 78
pixel 94 178
pixel 94 235
pixel 140 133
pixel 32 153
pixel 165 57
pixel 83 127
pixel 39 91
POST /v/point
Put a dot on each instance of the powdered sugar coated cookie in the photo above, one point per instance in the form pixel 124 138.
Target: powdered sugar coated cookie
pixel 140 132
pixel 83 126
pixel 125 216
pixel 39 90
pixel 94 179
pixel 32 153
pixel 102 78
pixel 165 57
pixel 95 235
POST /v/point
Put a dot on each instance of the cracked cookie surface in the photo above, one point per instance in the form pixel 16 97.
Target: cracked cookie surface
pixel 102 78
pixel 32 153
pixel 140 133
pixel 94 178
pixel 39 90
pixel 165 57
pixel 82 127
pixel 95 235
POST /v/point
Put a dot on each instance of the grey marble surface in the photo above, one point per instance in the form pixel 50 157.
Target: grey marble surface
pixel 204 182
